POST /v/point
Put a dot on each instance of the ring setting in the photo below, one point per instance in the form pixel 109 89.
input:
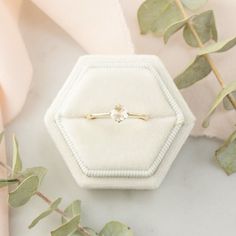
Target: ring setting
pixel 119 113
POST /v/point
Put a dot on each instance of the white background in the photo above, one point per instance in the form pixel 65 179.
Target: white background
pixel 196 198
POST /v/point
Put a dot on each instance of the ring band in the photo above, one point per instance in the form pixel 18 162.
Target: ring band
pixel 118 114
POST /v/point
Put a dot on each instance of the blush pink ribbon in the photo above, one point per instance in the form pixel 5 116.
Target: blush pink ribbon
pixel 15 77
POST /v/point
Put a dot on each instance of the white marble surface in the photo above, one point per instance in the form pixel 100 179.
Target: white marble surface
pixel 196 198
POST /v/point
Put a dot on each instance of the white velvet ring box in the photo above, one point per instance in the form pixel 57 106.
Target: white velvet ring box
pixel 133 154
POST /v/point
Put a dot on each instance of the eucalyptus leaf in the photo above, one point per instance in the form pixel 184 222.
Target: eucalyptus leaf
pixel 89 230
pixel 6 182
pixel 196 71
pixel 204 25
pixel 46 213
pixel 1 136
pixel 40 172
pixel 157 15
pixel 226 102
pixel 174 28
pixel 24 191
pixel 72 210
pixel 16 161
pixel 223 93
pixel 194 4
pixel 68 228
pixel 226 154
pixel 115 228
pixel 77 233
pixel 221 46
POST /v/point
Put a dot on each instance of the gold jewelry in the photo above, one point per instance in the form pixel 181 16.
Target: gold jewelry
pixel 118 114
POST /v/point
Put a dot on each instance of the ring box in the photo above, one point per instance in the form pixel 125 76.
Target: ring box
pixel 133 154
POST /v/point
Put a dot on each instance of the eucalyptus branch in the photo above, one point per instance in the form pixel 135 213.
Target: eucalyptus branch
pixel 48 201
pixel 60 212
pixel 207 56
pixel 165 18
pixel 25 184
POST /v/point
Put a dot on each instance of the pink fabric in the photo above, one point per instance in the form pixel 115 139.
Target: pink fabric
pixel 98 26
pixel 15 66
pixel 15 77
pixel 4 226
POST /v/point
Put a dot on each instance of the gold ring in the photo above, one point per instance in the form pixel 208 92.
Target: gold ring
pixel 118 114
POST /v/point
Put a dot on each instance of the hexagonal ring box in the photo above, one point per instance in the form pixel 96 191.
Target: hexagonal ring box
pixel 119 122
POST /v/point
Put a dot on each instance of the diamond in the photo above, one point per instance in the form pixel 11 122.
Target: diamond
pixel 119 113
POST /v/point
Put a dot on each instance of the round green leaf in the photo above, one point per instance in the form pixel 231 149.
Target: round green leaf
pixel 174 28
pixel 89 230
pixel 226 102
pixel 68 228
pixel 115 228
pixel 24 191
pixel 222 94
pixel 226 154
pixel 221 46
pixel 16 161
pixel 194 4
pixel 156 15
pixel 196 71
pixel 72 210
pixel 46 213
pixel 1 136
pixel 40 172
pixel 204 25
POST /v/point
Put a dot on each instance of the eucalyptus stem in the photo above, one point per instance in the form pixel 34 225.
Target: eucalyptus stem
pixel 207 56
pixel 60 212
pixel 49 202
